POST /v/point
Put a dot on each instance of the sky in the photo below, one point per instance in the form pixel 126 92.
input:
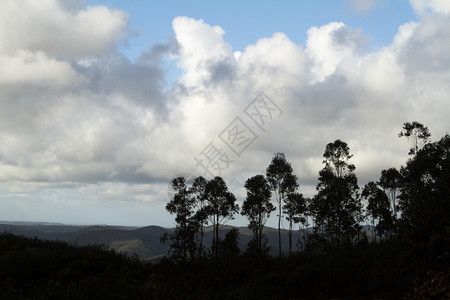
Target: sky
pixel 103 102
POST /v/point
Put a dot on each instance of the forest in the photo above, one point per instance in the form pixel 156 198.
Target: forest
pixel 411 202
pixel 403 254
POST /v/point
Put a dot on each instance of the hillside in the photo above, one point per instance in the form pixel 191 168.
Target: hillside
pixel 145 241
pixel 141 241
pixel 37 269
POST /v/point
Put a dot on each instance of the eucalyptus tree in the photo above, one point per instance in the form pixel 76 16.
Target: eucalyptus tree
pixel 220 207
pixel 378 209
pixel 425 193
pixel 390 181
pixel 198 191
pixel 294 208
pixel 337 206
pixel 257 209
pixel 417 134
pixel 282 183
pixel 182 240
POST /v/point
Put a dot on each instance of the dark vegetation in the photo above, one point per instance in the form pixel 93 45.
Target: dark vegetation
pixel 141 241
pixel 37 269
pixel 32 268
pixel 406 255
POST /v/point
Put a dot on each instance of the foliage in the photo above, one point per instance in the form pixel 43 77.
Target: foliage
pixel 378 209
pixel 390 181
pixel 182 240
pixel 257 209
pixel 282 182
pixel 229 246
pixel 201 217
pixel 337 206
pixel 294 208
pixel 417 134
pixel 370 271
pixel 194 206
pixel 36 269
pixel 425 193
pixel 220 207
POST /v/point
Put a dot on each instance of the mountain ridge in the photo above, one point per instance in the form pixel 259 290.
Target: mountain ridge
pixel 142 241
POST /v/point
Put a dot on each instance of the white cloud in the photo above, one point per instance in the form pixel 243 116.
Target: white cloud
pixel 272 61
pixel 383 70
pixel 46 26
pixel 200 46
pixel 335 88
pixel 83 122
pixel 63 119
pixel 382 73
pixel 424 6
pixel 36 68
pixel 334 46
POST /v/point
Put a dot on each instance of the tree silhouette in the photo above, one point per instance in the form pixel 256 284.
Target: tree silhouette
pixel 282 182
pixel 390 181
pixel 303 221
pixel 257 209
pixel 182 240
pixel 198 191
pixel 293 208
pixel 337 207
pixel 425 193
pixel 417 134
pixel 229 246
pixel 378 208
pixel 220 207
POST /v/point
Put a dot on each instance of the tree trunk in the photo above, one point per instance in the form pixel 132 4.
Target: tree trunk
pixel 279 228
pixel 374 233
pixel 259 238
pixel 202 233
pixel 216 233
pixel 290 237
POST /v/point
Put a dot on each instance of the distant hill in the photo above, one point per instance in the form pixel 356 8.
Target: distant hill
pixel 132 240
pixel 142 241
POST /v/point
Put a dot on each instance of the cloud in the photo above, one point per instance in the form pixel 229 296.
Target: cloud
pixel 70 103
pixel 361 6
pixel 87 125
pixel 272 61
pixel 36 68
pixel 200 46
pixel 159 51
pixel 334 45
pixel 428 48
pixel 430 6
pixel 46 26
pixel 336 87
